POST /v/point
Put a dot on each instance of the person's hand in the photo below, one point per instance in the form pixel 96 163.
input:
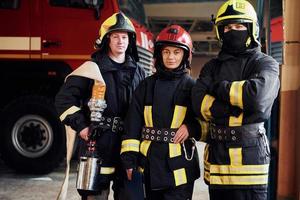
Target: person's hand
pixel 181 135
pixel 84 133
pixel 129 174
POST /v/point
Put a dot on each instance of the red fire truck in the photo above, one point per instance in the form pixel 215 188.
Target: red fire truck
pixel 41 41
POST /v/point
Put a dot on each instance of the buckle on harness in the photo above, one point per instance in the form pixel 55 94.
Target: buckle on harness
pixel 116 124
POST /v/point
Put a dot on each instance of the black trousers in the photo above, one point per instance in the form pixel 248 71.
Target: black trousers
pixel 238 194
pixel 183 192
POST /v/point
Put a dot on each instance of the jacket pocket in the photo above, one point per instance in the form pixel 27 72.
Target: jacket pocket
pixel 255 152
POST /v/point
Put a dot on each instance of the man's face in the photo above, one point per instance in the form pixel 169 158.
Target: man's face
pixel 172 56
pixel 118 42
pixel 237 27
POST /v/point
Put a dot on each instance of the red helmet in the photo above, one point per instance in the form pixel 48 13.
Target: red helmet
pixel 174 35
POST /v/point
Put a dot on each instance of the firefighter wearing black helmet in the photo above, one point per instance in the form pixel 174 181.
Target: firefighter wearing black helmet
pixel 115 62
pixel 235 93
pixel 160 126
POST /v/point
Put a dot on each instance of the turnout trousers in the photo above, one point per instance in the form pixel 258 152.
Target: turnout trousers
pixel 238 194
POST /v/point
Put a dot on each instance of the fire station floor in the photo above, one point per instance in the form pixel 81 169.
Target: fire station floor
pixel 15 186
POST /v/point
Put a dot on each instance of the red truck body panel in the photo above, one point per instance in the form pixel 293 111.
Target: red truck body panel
pixel 41 41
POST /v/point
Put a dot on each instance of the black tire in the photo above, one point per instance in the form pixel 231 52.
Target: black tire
pixel 32 136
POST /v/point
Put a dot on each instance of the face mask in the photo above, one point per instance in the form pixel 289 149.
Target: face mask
pixel 235 41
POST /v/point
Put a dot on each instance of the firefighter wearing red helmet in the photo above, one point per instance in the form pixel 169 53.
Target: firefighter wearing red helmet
pixel 161 128
pixel 93 102
pixel 234 94
pixel 177 36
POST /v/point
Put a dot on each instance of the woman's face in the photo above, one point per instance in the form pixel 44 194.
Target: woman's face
pixel 118 42
pixel 172 56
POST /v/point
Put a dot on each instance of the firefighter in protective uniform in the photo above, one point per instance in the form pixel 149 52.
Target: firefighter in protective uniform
pixel 160 126
pixel 234 94
pixel 115 61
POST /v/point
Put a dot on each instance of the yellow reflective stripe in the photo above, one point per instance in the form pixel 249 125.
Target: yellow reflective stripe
pixel 178 116
pixel 107 170
pixel 206 152
pixel 20 43
pixel 244 169
pixel 207 165
pixel 205 106
pixel 180 176
pixel 205 158
pixel 130 145
pixel 109 22
pixel 236 121
pixel 206 176
pixel 148 116
pixel 145 146
pixel 47 56
pixel 204 130
pixel 140 169
pixel 149 123
pixel 239 180
pixel 235 155
pixel 69 111
pixel 174 150
pixel 236 93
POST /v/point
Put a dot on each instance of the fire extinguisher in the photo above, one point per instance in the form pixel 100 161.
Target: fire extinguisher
pixel 89 164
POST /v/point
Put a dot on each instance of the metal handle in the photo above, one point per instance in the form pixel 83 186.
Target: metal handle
pixel 49 43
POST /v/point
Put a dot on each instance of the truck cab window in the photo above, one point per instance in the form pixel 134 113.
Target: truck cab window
pixel 77 3
pixel 9 4
pixel 134 9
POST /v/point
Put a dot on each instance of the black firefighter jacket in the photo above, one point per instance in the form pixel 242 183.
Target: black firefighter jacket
pixel 234 91
pixel 120 80
pixel 161 103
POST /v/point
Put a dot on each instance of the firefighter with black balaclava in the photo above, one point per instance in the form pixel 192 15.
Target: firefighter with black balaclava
pixel 160 126
pixel 235 93
pixel 115 62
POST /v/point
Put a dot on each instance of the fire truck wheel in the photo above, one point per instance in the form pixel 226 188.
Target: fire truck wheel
pixel 33 138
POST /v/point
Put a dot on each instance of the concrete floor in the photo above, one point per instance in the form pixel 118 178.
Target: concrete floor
pixel 15 186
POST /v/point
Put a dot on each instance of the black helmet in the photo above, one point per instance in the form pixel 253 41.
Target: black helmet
pixel 237 11
pixel 118 22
